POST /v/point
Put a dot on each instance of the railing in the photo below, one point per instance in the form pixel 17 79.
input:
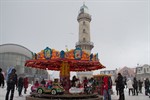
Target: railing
pixel 85 43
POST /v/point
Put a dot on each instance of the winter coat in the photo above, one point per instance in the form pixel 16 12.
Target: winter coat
pixel 147 83
pixel 20 82
pixel 120 82
pixel 140 83
pixel 105 81
pixel 135 83
pixel 36 84
pixel 116 81
pixel 109 83
pixel 12 79
pixel 129 84
pixel 43 82
pixel 26 82
pixel 1 78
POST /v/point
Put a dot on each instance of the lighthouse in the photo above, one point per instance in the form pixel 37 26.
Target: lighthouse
pixel 84 42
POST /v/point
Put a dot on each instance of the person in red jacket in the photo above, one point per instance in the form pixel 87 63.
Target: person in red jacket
pixel 26 82
pixel 107 85
pixel 36 84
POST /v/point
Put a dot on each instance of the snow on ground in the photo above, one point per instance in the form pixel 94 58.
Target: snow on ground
pixel 16 96
pixel 114 96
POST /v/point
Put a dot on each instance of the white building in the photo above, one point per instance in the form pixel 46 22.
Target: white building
pixel 143 72
pixel 113 74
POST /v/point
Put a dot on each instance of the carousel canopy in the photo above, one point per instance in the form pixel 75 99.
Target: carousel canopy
pixel 76 59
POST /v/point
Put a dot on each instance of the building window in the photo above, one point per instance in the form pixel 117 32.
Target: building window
pixel 144 70
pixel 83 30
pixel 84 39
pixel 83 22
pixel 139 70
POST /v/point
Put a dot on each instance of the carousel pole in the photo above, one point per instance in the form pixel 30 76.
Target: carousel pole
pixel 65 75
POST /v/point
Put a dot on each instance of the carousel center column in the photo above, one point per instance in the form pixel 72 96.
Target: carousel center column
pixel 65 75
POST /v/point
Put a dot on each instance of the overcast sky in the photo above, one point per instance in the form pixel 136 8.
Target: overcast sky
pixel 119 28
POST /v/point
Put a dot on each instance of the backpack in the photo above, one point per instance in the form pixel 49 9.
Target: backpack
pixel 12 78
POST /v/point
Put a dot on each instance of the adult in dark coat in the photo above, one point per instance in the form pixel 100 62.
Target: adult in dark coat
pixel 117 89
pixel 20 85
pixel 140 86
pixel 135 86
pixel 147 85
pixel 11 82
pixel 120 86
pixel 2 83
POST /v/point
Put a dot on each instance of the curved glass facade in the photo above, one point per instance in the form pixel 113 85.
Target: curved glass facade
pixel 13 59
pixel 13 55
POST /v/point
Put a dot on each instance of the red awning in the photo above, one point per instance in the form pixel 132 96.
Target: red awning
pixel 55 64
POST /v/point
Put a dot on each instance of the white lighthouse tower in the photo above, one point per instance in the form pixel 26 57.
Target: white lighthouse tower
pixel 84 42
pixel 84 19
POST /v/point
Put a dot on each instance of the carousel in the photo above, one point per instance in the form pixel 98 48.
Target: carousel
pixel 75 60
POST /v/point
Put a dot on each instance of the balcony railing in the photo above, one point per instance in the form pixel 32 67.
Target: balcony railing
pixel 84 43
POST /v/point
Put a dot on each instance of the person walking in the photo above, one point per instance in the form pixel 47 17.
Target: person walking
pixel 129 86
pixel 2 83
pixel 135 86
pixel 117 89
pixel 11 82
pixel 20 85
pixel 140 86
pixel 107 85
pixel 25 84
pixel 147 85
pixel 125 81
pixel 120 86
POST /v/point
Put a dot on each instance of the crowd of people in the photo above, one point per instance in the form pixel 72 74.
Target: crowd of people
pixel 134 86
pixel 92 85
pixel 13 83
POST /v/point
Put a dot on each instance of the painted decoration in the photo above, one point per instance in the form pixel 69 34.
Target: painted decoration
pixel 65 70
pixel 34 55
pixel 62 54
pixel 47 53
pixel 91 56
pixel 96 56
pixel 78 53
